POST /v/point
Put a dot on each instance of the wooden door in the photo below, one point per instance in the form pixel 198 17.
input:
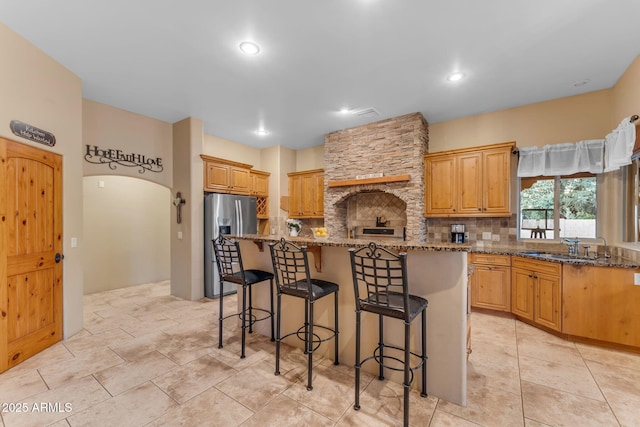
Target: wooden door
pixel 440 188
pixel 469 167
pixel 30 251
pixel 522 293
pixel 547 301
pixel 496 181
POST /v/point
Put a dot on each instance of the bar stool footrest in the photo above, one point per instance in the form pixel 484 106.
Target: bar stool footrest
pixel 376 356
pixel 317 341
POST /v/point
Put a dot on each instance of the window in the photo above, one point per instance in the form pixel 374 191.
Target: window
pixel 557 207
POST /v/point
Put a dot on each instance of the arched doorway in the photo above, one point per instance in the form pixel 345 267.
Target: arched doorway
pixel 126 232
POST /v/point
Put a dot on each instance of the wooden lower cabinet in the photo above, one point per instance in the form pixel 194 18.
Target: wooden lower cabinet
pixel 601 303
pixel 536 291
pixel 491 282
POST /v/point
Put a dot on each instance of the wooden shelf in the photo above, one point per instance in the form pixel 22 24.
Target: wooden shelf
pixel 366 181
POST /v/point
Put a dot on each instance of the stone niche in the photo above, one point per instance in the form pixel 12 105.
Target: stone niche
pixel 392 147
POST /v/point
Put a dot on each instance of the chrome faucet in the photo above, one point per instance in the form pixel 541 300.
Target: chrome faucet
pixel 573 244
pixel 604 250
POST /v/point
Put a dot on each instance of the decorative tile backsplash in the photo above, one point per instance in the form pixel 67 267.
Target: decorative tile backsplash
pixel 502 230
pixel 364 208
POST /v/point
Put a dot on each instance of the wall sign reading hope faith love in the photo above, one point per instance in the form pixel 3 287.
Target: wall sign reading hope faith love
pixel 113 158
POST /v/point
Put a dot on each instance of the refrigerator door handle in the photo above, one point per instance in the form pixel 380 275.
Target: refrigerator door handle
pixel 239 217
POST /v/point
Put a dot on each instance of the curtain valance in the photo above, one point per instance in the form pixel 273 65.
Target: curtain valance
pixel 594 155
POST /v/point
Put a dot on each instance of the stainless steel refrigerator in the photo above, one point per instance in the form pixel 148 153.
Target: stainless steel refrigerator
pixel 226 214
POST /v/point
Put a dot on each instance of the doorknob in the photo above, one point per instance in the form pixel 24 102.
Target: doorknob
pixel 59 257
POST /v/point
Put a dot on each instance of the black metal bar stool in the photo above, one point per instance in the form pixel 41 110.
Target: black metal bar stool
pixel 231 269
pixel 382 277
pixel 291 268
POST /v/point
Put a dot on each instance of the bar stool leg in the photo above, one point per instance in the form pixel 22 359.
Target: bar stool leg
pixel 310 347
pixel 424 353
pixel 335 320
pixel 271 301
pixel 250 309
pixel 278 322
pixel 244 318
pixel 220 317
pixel 406 385
pixel 381 346
pixel 357 366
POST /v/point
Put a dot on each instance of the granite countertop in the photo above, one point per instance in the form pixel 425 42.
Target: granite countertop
pixel 397 245
pixel 558 257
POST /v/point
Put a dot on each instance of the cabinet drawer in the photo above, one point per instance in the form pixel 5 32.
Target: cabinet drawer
pixel 490 259
pixel 547 267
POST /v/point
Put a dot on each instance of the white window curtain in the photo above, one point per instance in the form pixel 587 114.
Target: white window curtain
pixel 562 159
pixel 619 145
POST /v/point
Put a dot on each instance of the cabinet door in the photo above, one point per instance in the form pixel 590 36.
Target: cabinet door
pixel 240 181
pixel 547 301
pixel 491 288
pixel 522 293
pixel 440 188
pixel 217 177
pixel 308 195
pixel 295 196
pixel 318 198
pixel 259 184
pixel 496 181
pixel 469 183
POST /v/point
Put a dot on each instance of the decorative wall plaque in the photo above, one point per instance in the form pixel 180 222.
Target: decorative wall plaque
pixel 113 158
pixel 32 133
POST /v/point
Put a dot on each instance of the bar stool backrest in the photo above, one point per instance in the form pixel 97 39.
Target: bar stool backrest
pixel 291 268
pixel 382 275
pixel 228 258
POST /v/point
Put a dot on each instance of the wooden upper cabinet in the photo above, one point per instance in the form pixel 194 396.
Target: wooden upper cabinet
pixel 496 181
pixel 440 176
pixel 469 171
pixel 259 183
pixel 306 194
pixel 225 176
pixel 470 182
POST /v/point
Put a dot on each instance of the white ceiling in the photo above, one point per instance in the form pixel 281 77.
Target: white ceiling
pixel 171 59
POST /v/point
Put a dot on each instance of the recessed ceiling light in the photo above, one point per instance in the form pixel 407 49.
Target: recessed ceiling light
pixel 455 77
pixel 262 132
pixel 249 48
pixel 344 111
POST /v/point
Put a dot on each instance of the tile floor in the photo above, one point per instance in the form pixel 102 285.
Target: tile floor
pixel 146 358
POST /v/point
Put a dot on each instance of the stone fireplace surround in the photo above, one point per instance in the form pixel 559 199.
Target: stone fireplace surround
pixel 393 146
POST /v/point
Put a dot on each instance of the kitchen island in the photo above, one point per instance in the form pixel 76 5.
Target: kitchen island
pixel 437 272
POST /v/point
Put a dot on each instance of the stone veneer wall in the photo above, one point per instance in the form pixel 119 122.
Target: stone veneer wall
pixel 394 147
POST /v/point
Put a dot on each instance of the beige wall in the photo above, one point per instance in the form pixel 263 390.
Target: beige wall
pixel 310 158
pixel 126 232
pixel 230 150
pixel 112 128
pixel 569 119
pixel 626 94
pixel 37 90
pixel 626 102
pixel 187 238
